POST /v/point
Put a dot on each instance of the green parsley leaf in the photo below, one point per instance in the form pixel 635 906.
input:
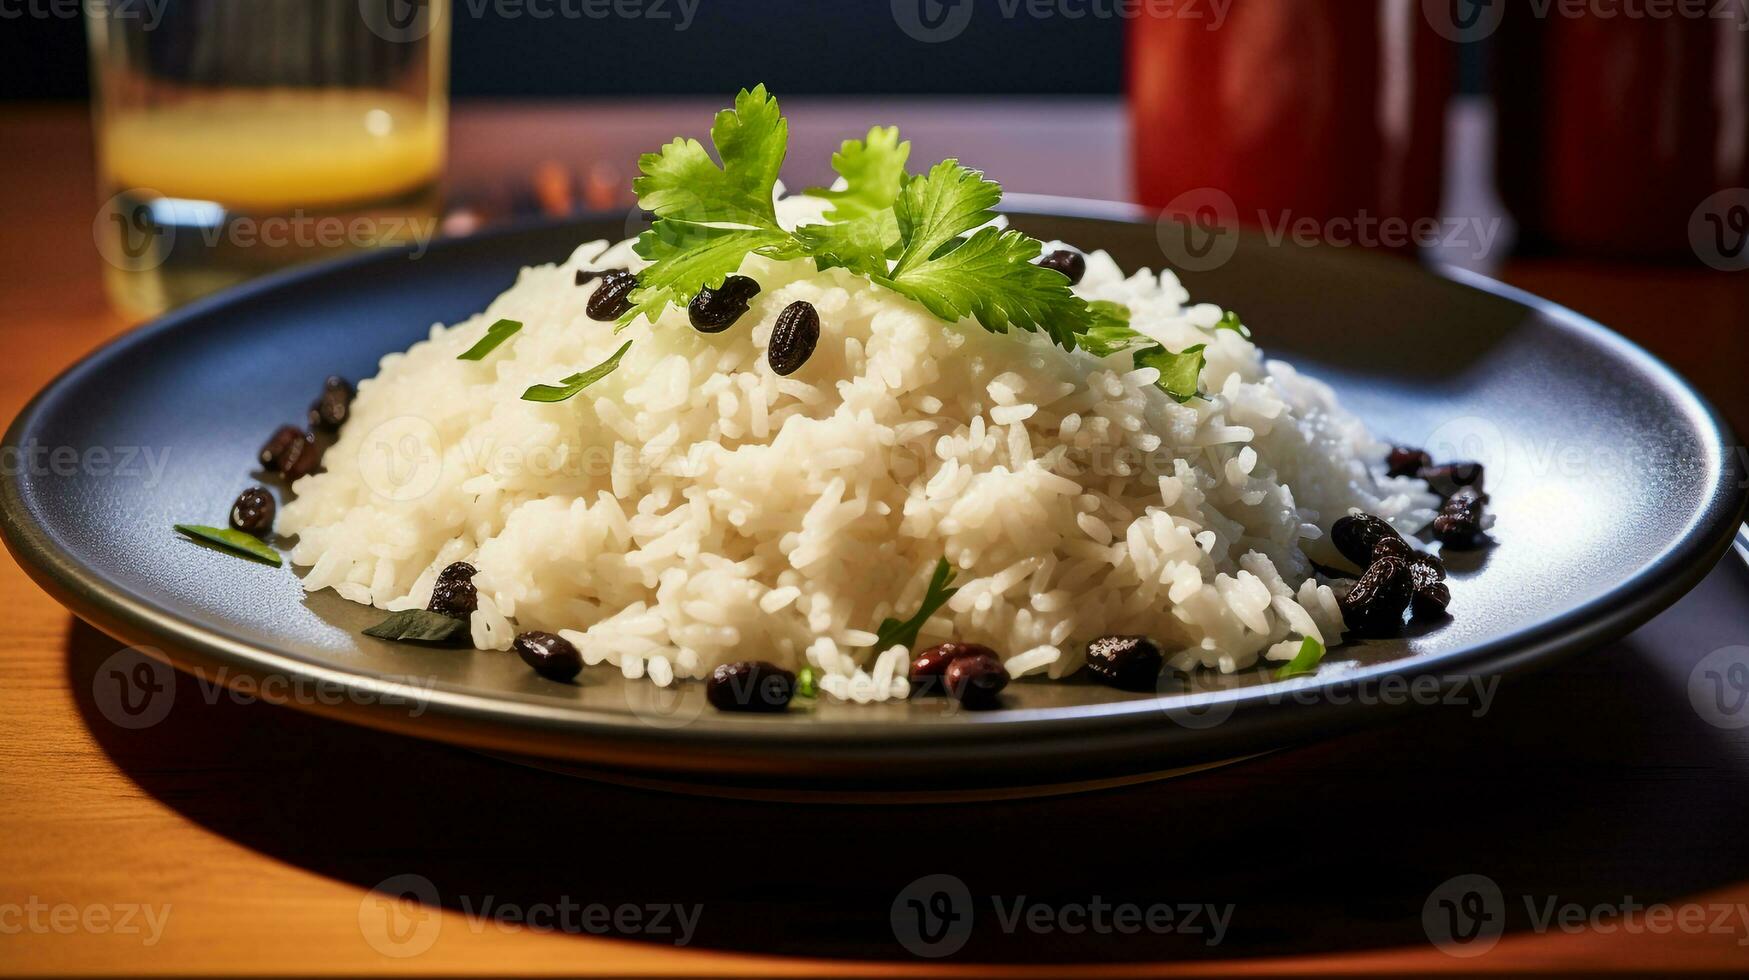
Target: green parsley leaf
pixel 1179 372
pixel 940 206
pixel 991 277
pixel 1304 662
pixel 233 540
pixel 682 182
pixel 894 633
pixel 496 334
pixel 688 257
pixel 806 686
pixel 576 382
pixel 420 625
pixel 1108 331
pixel 1230 321
pixel 874 173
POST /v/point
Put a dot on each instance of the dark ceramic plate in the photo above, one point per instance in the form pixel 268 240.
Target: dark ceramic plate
pixel 1610 478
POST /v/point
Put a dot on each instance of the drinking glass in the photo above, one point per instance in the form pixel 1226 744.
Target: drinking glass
pixel 240 138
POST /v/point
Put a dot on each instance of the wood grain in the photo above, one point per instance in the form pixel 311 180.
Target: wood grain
pixel 260 830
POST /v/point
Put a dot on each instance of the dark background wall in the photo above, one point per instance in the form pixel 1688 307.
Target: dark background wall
pixel 795 46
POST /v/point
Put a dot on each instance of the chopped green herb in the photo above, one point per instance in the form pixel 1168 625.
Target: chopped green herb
pixel 861 232
pixel 496 334
pixel 805 685
pixel 233 540
pixel 419 625
pixel 894 633
pixel 1178 372
pixel 1304 662
pixel 1230 321
pixel 576 382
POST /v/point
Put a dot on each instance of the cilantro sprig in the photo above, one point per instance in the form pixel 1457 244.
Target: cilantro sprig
pixel 926 236
pixel 893 632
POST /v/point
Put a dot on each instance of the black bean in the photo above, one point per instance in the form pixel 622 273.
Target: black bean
pixel 1374 607
pixel 612 299
pixel 716 310
pixel 551 655
pixel 1459 524
pixel 585 276
pixel 253 512
pixel 1430 602
pixel 1445 480
pixel 1129 663
pixel 930 666
pixel 277 445
pixel 1358 534
pixel 1070 264
pixel 1391 548
pixel 750 685
pixel 976 681
pixel 1407 461
pixel 292 453
pixel 793 337
pixel 458 571
pixel 1426 569
pixel 330 409
pixel 454 597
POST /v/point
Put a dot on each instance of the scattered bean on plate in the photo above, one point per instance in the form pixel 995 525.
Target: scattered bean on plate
pixel 291 452
pixel 454 595
pixel 585 276
pixel 612 299
pixel 1071 264
pixel 1128 663
pixel 793 337
pixel 716 310
pixel 1460 522
pixel 551 655
pixel 1358 534
pixel 975 681
pixel 330 409
pixel 930 666
pixel 750 685
pixel 1375 606
pixel 1407 461
pixel 253 512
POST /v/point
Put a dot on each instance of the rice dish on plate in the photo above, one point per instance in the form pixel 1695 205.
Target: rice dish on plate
pixel 694 507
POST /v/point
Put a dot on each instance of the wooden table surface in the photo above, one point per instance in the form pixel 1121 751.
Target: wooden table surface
pixel 236 838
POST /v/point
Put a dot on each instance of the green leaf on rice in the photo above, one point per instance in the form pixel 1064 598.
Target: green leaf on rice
pixel 893 633
pixel 1304 662
pixel 576 382
pixel 1179 373
pixel 496 334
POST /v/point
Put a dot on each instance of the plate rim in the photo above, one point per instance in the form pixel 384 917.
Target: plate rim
pixel 493 722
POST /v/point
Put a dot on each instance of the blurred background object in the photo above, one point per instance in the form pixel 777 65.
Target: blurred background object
pixel 313 127
pixel 1294 109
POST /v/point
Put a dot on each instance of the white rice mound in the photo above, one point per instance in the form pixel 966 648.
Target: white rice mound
pixel 695 508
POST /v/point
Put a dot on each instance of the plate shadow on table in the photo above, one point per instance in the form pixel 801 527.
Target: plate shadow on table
pixel 1591 783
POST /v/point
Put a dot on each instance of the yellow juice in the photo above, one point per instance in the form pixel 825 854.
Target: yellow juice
pixel 208 191
pixel 277 151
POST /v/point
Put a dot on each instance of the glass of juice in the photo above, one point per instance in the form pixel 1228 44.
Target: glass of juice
pixel 240 138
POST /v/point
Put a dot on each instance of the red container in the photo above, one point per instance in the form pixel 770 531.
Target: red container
pixel 1296 109
pixel 1615 130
